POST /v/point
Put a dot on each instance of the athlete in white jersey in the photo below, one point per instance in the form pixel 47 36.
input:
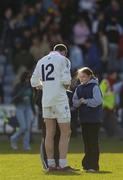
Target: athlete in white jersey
pixel 52 72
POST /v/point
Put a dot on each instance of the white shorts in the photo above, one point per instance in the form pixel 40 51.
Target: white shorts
pixel 60 112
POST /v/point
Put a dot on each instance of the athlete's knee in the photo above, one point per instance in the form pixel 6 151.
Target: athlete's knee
pixel 50 134
pixel 66 132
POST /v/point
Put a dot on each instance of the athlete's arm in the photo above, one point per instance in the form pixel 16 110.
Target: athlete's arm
pixel 65 73
pixel 36 78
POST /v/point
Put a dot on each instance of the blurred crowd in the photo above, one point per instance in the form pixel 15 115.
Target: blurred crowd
pixel 92 31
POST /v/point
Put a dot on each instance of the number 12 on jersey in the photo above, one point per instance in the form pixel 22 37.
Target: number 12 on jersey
pixel 47 72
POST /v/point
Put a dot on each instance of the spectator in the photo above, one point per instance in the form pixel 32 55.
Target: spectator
pixel 21 70
pixel 6 34
pixel 104 47
pixel 39 8
pixel 87 5
pixel 22 58
pixel 1 92
pixel 99 23
pixel 120 54
pixel 24 112
pixel 39 48
pixel 69 12
pixel 18 25
pixel 113 30
pixel 114 9
pixel 81 32
pixel 76 57
pixel 93 56
pixel 26 38
pixel 18 45
pixel 109 106
pixel 45 22
pixel 32 18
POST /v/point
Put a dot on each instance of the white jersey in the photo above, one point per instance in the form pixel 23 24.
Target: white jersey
pixel 52 72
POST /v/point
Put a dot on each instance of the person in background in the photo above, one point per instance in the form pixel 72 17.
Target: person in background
pixel 88 99
pixel 98 23
pixel 39 47
pixel 113 30
pixel 22 58
pixel 1 92
pixel 93 56
pixel 103 42
pixel 76 58
pixel 24 112
pixel 81 32
pixel 109 121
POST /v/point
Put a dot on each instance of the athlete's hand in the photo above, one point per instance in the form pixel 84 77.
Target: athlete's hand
pixel 66 86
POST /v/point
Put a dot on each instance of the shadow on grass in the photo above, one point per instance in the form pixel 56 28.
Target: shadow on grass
pixel 104 172
pixel 77 173
pixel 100 172
pixel 63 173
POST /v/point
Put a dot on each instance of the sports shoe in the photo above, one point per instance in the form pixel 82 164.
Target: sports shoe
pixel 67 169
pixel 51 169
pixel 13 144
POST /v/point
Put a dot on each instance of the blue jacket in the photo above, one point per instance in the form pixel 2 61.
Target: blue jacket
pixel 91 110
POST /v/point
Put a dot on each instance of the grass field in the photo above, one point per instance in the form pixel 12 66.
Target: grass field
pixel 27 166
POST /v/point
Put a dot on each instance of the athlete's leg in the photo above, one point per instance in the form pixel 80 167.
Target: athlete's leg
pixel 49 140
pixel 63 118
pixel 65 132
pixel 56 145
pixel 42 147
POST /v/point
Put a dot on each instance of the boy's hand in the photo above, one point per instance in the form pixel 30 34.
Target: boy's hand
pixel 82 101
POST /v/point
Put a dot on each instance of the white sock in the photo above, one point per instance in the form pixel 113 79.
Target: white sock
pixel 62 163
pixel 51 162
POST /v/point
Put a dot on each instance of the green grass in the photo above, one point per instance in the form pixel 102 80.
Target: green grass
pixel 27 166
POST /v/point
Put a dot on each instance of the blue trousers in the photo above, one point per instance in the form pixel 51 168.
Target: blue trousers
pixel 25 118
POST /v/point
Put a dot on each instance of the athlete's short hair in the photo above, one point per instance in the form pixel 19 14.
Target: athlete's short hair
pixel 60 47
